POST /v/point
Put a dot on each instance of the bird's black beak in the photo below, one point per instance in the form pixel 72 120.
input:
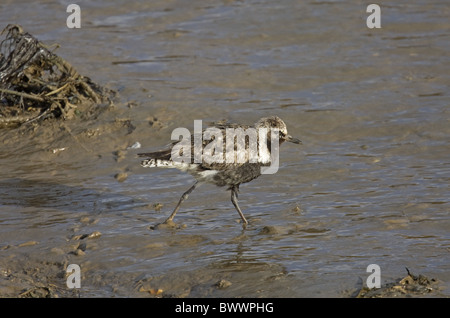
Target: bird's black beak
pixel 292 139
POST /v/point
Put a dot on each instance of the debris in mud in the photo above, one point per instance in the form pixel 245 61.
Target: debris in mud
pixel 410 285
pixel 25 244
pixel 121 176
pixel 223 283
pixel 29 243
pixel 39 292
pixel 31 278
pixel 269 230
pixel 152 291
pixel 35 83
pixel 144 286
pixel 56 150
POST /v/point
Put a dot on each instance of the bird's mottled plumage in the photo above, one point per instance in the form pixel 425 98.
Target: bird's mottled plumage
pixel 220 173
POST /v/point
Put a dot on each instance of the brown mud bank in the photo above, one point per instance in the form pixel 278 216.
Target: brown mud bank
pixel 37 84
pixel 45 104
pixel 49 111
pixel 56 125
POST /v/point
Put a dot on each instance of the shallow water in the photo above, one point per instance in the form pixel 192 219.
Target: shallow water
pixel 369 185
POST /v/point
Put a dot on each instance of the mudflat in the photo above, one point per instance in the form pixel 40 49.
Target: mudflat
pixel 369 184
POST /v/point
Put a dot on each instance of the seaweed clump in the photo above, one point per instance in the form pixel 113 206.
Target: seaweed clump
pixel 409 286
pixel 35 83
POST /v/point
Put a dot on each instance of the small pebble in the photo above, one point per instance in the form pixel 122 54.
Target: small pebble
pixel 121 176
pixel 223 283
pixel 136 145
pixel 94 234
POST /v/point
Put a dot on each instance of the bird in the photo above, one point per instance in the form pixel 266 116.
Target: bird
pixel 235 162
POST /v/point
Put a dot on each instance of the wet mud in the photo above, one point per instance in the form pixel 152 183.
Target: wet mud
pixel 369 184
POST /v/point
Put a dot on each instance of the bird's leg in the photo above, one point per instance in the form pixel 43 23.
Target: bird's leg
pixel 183 197
pixel 234 197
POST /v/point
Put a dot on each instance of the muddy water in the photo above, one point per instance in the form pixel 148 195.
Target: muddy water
pixel 369 185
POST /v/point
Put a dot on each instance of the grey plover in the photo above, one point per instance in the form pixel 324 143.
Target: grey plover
pixel 230 173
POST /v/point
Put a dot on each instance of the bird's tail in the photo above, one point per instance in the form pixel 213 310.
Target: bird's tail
pixel 160 158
